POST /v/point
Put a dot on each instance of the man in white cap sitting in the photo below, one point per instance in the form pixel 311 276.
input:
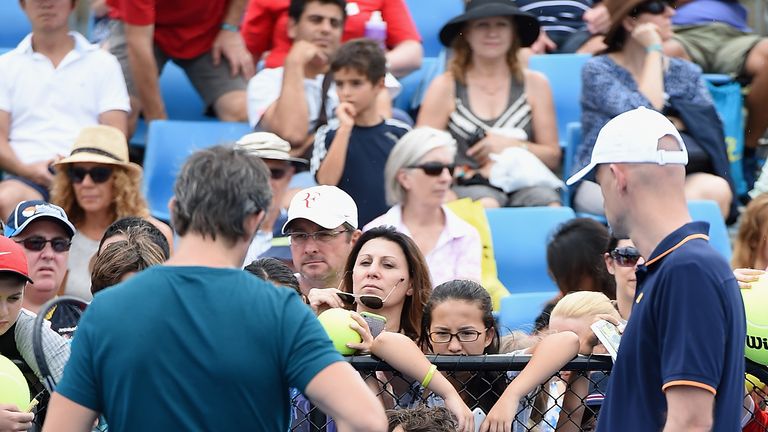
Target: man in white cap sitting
pixel 273 151
pixel 322 226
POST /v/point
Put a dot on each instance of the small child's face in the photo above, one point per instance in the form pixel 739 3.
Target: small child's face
pixel 11 297
pixel 354 87
pixel 458 328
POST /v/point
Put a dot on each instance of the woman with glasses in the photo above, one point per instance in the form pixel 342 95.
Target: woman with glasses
pixel 621 260
pixel 418 177
pixel 490 103
pixel 96 185
pixel 633 72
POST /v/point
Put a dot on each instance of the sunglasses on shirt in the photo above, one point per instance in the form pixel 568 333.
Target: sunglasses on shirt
pixel 37 243
pixel 434 169
pixel 98 174
pixel 625 256
pixel 653 7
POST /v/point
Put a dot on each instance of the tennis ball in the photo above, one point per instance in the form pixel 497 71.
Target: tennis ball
pixel 755 306
pixel 336 323
pixel 13 386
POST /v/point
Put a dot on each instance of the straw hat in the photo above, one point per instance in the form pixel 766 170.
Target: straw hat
pixel 101 144
pixel 618 10
pixel 527 25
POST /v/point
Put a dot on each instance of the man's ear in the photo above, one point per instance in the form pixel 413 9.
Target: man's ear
pixel 356 235
pixel 291 28
pixel 619 174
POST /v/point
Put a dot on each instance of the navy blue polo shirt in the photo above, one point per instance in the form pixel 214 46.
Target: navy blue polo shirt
pixel 687 328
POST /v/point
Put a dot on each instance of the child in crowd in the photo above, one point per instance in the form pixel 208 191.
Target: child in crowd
pixel 350 151
pixel 421 419
pixel 275 271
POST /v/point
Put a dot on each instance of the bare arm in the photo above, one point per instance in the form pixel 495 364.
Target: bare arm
pixel 332 166
pixel 546 146
pixel 651 80
pixel 115 118
pixel 65 415
pixel 689 409
pixel 9 162
pixel 339 392
pixel 405 58
pixel 230 43
pixel 438 103
pixel 144 71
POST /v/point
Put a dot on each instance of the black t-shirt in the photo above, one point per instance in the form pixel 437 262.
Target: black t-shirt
pixel 9 349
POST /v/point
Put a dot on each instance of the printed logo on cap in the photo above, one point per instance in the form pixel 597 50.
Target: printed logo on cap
pixel 311 197
pixel 29 211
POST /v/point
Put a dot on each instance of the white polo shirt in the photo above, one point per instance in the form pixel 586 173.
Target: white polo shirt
pixel 49 105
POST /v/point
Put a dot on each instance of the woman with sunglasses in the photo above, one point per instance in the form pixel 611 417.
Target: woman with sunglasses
pixel 621 260
pixel 418 177
pixel 96 185
pixel 490 103
pixel 634 72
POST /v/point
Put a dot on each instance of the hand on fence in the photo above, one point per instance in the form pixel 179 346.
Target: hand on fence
pixel 501 416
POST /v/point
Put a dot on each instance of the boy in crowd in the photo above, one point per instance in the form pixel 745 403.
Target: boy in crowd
pixel 350 152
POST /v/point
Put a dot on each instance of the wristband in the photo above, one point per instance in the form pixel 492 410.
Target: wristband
pixel 230 27
pixel 654 47
pixel 428 377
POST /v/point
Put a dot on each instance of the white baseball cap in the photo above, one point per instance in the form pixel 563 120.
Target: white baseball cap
pixel 266 145
pixel 633 137
pixel 327 206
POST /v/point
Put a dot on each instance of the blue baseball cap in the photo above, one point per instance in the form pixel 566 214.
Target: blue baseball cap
pixel 28 211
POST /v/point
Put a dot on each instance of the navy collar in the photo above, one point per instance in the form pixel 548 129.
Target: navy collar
pixel 677 238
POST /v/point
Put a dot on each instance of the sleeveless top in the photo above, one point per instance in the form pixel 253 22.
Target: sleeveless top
pixel 463 123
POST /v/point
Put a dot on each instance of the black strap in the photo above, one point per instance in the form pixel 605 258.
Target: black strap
pixel 322 117
pixel 98 152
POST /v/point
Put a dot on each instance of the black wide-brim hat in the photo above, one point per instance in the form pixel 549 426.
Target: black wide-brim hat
pixel 527 25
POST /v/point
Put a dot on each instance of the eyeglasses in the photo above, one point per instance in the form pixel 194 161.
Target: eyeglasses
pixel 626 256
pixel 98 174
pixel 37 243
pixel 434 169
pixel 368 300
pixel 277 173
pixel 461 336
pixel 318 236
pixel 653 7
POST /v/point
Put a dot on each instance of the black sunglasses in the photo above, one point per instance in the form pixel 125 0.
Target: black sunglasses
pixel 368 300
pixel 37 243
pixel 653 7
pixel 434 169
pixel 626 256
pixel 98 174
pixel 277 173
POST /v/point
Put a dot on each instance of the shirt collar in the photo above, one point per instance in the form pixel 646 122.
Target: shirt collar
pixel 677 238
pixel 81 44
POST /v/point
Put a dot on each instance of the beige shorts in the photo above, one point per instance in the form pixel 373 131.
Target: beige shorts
pixel 717 47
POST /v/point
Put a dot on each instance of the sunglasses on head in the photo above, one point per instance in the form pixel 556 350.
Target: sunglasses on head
pixel 368 300
pixel 434 169
pixel 625 256
pixel 99 174
pixel 37 243
pixel 653 7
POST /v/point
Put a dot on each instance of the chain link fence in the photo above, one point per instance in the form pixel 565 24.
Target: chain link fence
pixel 570 400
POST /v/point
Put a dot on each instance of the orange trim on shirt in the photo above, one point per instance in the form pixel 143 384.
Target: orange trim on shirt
pixel 706 387
pixel 682 242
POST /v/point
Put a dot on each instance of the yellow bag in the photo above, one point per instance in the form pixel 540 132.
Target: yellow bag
pixel 473 213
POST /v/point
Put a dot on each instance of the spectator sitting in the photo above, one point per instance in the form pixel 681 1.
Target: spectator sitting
pixel 417 181
pixel 568 26
pixel 322 227
pixel 489 103
pixel 16 330
pixel 714 35
pixel 294 100
pixel 202 302
pixel 621 260
pixel 53 84
pixel 273 151
pixel 123 258
pixel 266 34
pixel 202 37
pixel 275 271
pixel 95 186
pixel 45 234
pixel 633 72
pixel 350 151
pixel 421 419
pixel 750 249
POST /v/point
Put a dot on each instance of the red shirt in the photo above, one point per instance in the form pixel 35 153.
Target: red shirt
pixel 265 26
pixel 184 29
pixel 759 423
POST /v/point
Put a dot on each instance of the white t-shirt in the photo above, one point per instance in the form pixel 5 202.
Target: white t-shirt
pixel 48 105
pixel 79 277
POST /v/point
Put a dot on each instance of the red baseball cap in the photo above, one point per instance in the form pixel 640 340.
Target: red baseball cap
pixel 12 258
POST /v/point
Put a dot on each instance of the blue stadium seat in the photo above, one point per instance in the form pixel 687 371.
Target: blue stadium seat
pixel 520 238
pixel 564 74
pixel 430 16
pixel 519 310
pixel 14 24
pixel 168 145
pixel 709 211
pixel 411 84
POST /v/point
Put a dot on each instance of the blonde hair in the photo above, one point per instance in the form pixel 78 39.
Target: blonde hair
pixel 582 304
pixel 461 60
pixel 753 232
pixel 126 187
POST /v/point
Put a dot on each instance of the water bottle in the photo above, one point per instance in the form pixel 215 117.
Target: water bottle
pixel 376 29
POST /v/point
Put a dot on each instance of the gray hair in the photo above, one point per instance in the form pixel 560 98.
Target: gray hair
pixel 216 190
pixel 408 151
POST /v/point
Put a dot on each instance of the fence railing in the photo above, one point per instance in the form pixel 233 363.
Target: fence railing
pixel 570 400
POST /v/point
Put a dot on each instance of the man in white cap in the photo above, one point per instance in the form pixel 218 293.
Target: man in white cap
pixel 322 226
pixel 273 151
pixel 681 361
